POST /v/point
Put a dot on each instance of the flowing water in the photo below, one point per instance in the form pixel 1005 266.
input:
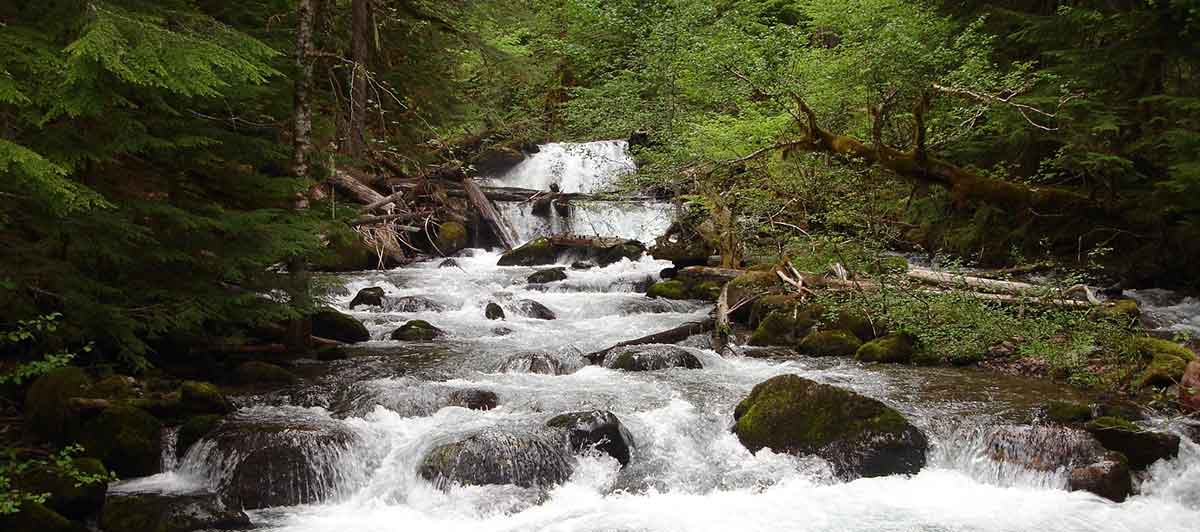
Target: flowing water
pixel 688 471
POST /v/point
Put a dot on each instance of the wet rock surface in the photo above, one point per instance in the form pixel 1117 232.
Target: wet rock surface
pixel 170 513
pixel 651 358
pixel 368 297
pixel 525 459
pixel 532 309
pixel 597 429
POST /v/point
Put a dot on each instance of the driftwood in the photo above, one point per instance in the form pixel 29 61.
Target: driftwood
pixel 385 201
pixel 368 220
pixel 670 336
pixel 357 190
pixel 488 212
pixel 992 286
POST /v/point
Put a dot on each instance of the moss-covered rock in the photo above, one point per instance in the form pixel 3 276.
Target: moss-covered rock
pixel 829 343
pixel 114 387
pixel 856 323
pixel 331 324
pixel 417 331
pixel 1067 412
pixel 35 517
pixel 750 286
pixel 1141 447
pixel 170 513
pixel 859 436
pixel 203 398
pixel 782 328
pixel 672 289
pixel 784 303
pixel 548 275
pixel 346 252
pixel 896 348
pixel 64 496
pixel 126 439
pixel 48 412
pixel 534 253
pixel 452 237
pixel 255 372
pixel 1165 362
pixel 526 459
pixel 193 430
pixel 1123 311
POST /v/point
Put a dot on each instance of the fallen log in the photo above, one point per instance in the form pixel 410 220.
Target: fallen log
pixel 487 211
pixel 980 284
pixel 383 202
pixel 368 220
pixel 358 191
pixel 670 336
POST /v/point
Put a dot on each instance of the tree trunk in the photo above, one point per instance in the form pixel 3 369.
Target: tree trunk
pixel 488 212
pixel 300 328
pixel 361 32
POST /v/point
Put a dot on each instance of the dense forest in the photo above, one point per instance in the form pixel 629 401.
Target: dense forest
pixel 178 178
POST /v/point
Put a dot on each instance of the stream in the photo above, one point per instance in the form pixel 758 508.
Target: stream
pixel 688 471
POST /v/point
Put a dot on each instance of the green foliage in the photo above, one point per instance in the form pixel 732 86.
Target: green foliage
pixel 61 463
pixel 24 337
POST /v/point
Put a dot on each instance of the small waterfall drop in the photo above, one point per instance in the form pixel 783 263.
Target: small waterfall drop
pixel 576 167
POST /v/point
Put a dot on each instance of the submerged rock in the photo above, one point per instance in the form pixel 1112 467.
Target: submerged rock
pixel 532 309
pixel 170 513
pixel 1141 447
pixel 829 343
pixel 896 348
pixel 582 265
pixel 368 297
pixel 449 263
pixel 493 312
pixel 602 251
pixel 473 399
pixel 548 275
pixel 502 331
pixel 596 429
pixel 412 304
pixel 1108 477
pixel 417 331
pixel 1043 448
pixel 126 439
pixel 529 460
pixel 859 436
pixel 650 358
pixel 539 363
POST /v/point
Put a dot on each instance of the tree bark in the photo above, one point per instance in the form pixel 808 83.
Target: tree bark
pixel 299 296
pixel 358 191
pixel 361 32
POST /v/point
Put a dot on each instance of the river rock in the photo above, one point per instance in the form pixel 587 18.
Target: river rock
pixel 473 399
pixel 126 439
pixel 525 459
pixel 1043 447
pixel 749 286
pixel 417 331
pixel 548 275
pixel 1165 362
pixel 859 436
pixel 596 429
pixel 412 304
pixel 449 263
pixel 1141 447
pixel 501 331
pixel 1189 387
pixel 368 297
pixel 582 265
pixel 532 309
pixel 451 237
pixel 539 363
pixel 602 251
pixel 894 348
pixel 170 513
pixel 64 496
pixel 282 459
pixel 254 373
pixel 1108 477
pixel 48 411
pixel 198 398
pixel 36 517
pixel 829 343
pixel 493 311
pixel 782 328
pixel 650 358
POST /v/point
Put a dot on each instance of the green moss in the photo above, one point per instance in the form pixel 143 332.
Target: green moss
pixel 1112 423
pixel 672 289
pixel 329 323
pixel 894 348
pixel 256 372
pixel 856 323
pixel 779 328
pixel 1124 311
pixel 536 252
pixel 1067 412
pixel 416 331
pixel 752 284
pixel 707 290
pixel 113 387
pixel 195 429
pixel 34 517
pixel 1164 362
pixel 829 343
pixel 202 398
pixel 451 237
pixel 64 496
pixel 126 439
pixel 47 404
pixel 346 252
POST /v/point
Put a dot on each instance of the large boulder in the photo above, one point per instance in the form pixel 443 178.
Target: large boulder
pixel 526 459
pixel 750 286
pixel 331 324
pixel 48 411
pixel 829 343
pixel 595 429
pixel 650 358
pixel 126 439
pixel 536 252
pixel 451 237
pixel 1042 447
pixel 65 495
pixel 280 458
pixel 602 251
pixel 412 304
pixel 257 373
pixel 1141 447
pixel 197 397
pixel 785 303
pixel 532 309
pixel 36 517
pixel 1164 362
pixel 896 348
pixel 368 297
pixel 859 436
pixel 347 252
pixel 417 331
pixel 783 327
pixel 548 275
pixel 539 363
pixel 493 311
pixel 1108 477
pixel 147 512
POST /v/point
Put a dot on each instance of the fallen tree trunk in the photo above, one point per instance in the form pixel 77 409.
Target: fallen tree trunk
pixel 389 218
pixel 980 284
pixel 487 211
pixel 670 336
pixel 720 335
pixel 357 190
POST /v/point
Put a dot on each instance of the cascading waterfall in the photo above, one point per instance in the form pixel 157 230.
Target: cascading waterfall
pixel 344 452
pixel 575 167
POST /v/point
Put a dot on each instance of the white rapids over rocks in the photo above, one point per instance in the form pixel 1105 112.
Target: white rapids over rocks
pixel 688 471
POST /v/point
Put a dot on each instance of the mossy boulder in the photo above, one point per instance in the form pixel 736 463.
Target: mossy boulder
pixel 452 237
pixel 64 496
pixel 1165 362
pixel 782 328
pixel 597 429
pixel 859 436
pixel 602 251
pixel 671 289
pixel 1067 412
pixel 829 343
pixel 126 439
pixel 749 286
pixel 1123 311
pixel 548 275
pixel 256 372
pixel 534 253
pixel 48 411
pixel 1141 447
pixel 36 517
pixel 170 513
pixel 368 297
pixel 114 387
pixel 896 348
pixel 856 323
pixel 346 252
pixel 783 303
pixel 417 331
pixel 331 324
pixel 203 398
pixel 193 430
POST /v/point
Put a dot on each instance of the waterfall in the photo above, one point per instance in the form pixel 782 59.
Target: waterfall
pixel 575 167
